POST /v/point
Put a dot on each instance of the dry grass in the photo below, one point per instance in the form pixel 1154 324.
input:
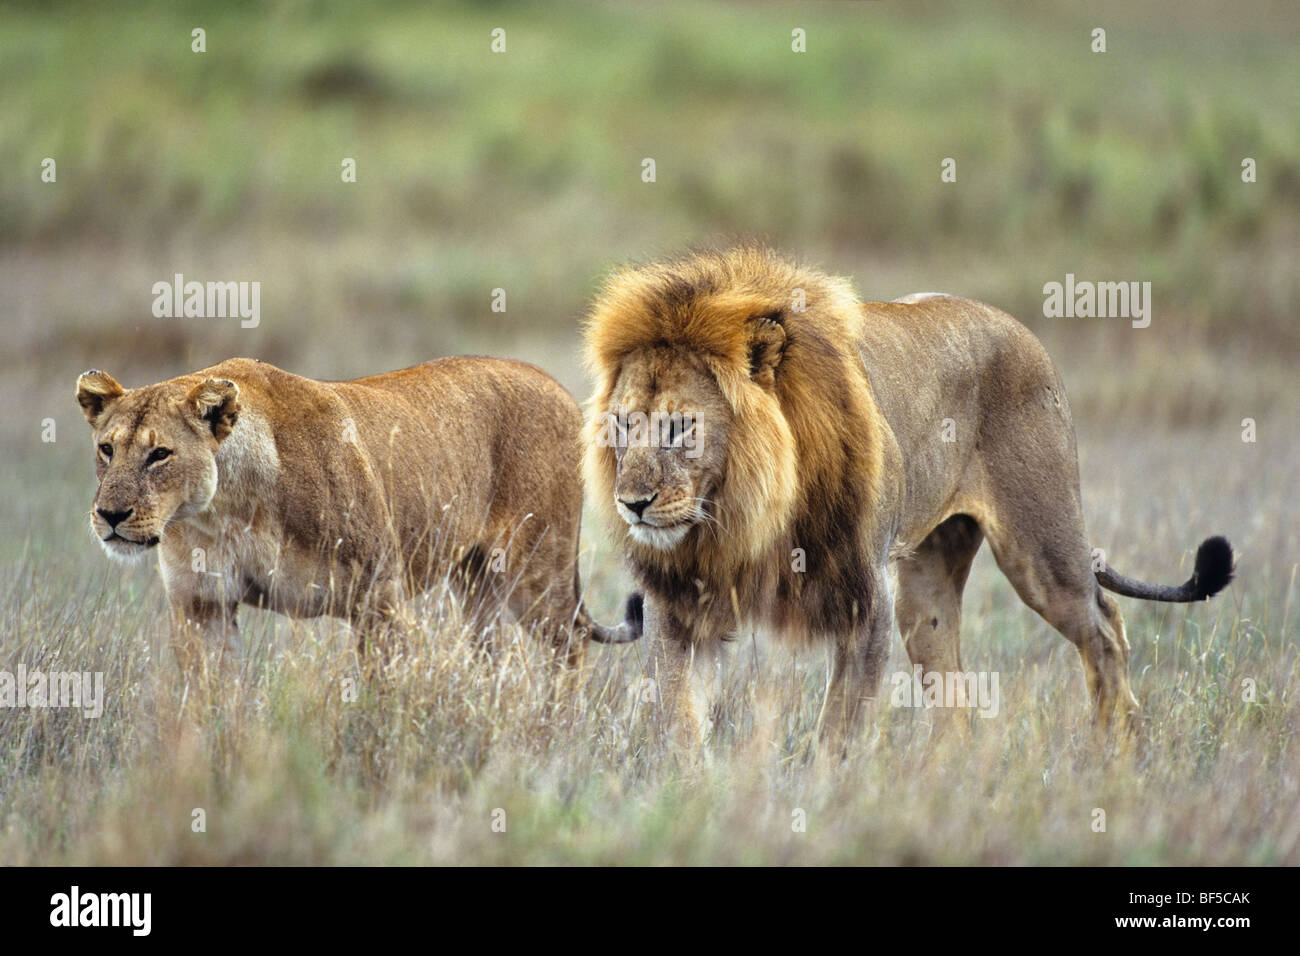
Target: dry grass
pixel 413 771
pixel 523 172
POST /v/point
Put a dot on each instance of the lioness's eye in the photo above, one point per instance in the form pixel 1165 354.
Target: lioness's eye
pixel 159 454
pixel 106 450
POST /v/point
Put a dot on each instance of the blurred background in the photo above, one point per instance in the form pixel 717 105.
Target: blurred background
pixel 522 170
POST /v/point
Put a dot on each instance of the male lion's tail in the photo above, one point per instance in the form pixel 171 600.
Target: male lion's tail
pixel 1210 575
pixel 625 633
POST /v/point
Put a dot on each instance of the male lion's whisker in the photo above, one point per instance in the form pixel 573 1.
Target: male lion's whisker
pixel 701 514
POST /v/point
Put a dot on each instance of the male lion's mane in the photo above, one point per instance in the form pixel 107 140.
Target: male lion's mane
pixel 804 456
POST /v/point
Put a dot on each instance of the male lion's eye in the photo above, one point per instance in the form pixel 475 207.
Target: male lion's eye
pixel 106 450
pixel 159 454
pixel 679 431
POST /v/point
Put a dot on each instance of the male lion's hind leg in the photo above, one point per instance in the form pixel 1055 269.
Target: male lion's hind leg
pixel 1051 570
pixel 930 584
pixel 928 605
pixel 1105 660
pixel 1032 514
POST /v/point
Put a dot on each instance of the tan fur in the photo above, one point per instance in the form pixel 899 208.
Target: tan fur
pixel 346 498
pixel 824 474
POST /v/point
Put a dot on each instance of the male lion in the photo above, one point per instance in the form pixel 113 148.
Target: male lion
pixel 345 498
pixel 847 459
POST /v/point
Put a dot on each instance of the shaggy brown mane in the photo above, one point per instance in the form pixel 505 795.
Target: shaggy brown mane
pixel 804 459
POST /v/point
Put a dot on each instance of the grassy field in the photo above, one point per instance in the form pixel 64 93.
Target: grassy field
pixel 522 171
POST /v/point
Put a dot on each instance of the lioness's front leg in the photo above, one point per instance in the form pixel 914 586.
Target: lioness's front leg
pixel 204 634
pixel 683 673
pixel 381 622
pixel 860 657
pixel 204 627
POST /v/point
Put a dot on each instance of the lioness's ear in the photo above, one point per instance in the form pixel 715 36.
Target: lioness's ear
pixel 96 390
pixel 215 401
pixel 766 347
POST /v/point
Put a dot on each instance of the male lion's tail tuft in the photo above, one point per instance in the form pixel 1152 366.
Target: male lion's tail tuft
pixel 1211 573
pixel 1215 564
pixel 631 628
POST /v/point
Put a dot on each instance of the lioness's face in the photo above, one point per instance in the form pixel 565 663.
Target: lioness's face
pixel 155 454
pixel 669 422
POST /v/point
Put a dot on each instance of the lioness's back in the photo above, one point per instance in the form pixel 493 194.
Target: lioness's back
pixel 497 424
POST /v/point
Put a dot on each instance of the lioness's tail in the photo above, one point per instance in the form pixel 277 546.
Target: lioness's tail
pixel 1210 575
pixel 625 633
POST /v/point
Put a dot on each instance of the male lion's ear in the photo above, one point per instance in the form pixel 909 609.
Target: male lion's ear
pixel 766 347
pixel 215 401
pixel 96 390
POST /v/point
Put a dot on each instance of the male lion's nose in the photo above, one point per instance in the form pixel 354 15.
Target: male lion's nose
pixel 636 507
pixel 114 517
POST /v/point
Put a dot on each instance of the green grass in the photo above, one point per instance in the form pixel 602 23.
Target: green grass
pixel 1065 156
pixel 522 171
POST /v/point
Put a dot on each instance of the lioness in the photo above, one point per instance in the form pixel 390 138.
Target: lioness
pixel 345 498
pixel 846 460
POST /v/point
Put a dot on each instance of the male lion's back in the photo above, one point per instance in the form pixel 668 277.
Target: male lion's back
pixel 921 352
pixel 959 381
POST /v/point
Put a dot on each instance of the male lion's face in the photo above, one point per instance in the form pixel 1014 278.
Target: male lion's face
pixel 669 424
pixel 155 454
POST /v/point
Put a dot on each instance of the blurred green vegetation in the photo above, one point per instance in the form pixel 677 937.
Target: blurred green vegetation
pixel 522 169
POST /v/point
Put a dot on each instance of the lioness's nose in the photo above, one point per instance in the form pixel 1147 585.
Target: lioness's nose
pixel 114 517
pixel 636 507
